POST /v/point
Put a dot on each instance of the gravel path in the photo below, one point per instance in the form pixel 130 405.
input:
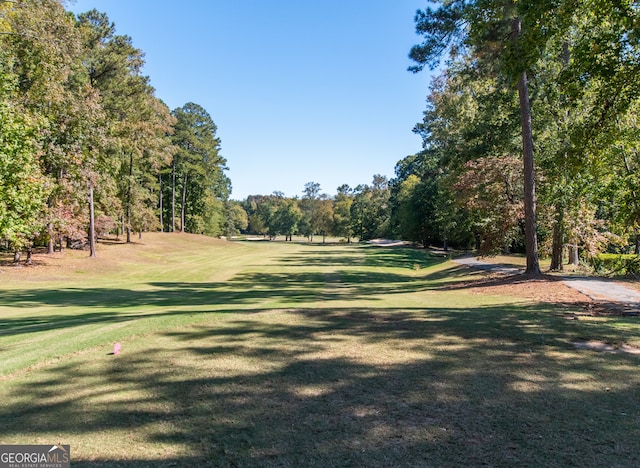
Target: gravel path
pixel 596 288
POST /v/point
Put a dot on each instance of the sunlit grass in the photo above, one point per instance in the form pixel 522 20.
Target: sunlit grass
pixel 287 354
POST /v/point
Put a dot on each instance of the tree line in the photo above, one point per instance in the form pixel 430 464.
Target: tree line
pixel 360 212
pixel 530 134
pixel 530 138
pixel 86 148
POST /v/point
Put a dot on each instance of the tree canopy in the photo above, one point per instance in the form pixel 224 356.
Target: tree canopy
pixel 86 146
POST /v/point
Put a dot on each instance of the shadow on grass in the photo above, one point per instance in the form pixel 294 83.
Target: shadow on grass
pixel 388 257
pixel 339 386
pixel 395 387
pixel 245 289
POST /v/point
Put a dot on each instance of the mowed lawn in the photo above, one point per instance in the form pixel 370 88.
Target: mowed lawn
pixel 281 354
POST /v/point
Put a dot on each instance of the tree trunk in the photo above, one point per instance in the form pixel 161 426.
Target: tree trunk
pixel 557 248
pixel 129 197
pixel 173 198
pixel 29 261
pixel 574 257
pixel 184 203
pixel 160 203
pixel 16 256
pixel 92 226
pixel 558 240
pixel 531 237
pixel 51 247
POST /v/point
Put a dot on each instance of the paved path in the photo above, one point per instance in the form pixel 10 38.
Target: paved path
pixel 488 266
pixel 596 288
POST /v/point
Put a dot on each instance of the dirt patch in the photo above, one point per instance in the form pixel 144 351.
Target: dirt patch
pixel 61 265
pixel 544 289
pixel 601 346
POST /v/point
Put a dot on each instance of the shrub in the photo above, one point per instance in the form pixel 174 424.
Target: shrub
pixel 616 264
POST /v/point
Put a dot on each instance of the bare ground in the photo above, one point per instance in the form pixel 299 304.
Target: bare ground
pixel 544 289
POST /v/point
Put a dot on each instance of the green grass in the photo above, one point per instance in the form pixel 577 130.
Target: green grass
pixel 286 354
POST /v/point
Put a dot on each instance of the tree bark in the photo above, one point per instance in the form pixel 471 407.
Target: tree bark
pixel 129 198
pixel 574 257
pixel 184 202
pixel 558 240
pixel 51 248
pixel 530 225
pixel 92 226
pixel 173 197
pixel 160 203
pixel 557 247
pixel 530 228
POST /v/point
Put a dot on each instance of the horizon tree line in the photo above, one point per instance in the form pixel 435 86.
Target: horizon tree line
pixel 530 139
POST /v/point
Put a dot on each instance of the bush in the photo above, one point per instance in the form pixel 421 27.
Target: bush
pixel 616 264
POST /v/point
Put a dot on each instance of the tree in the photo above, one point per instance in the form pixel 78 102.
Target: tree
pixel 583 56
pixel 286 217
pixel 23 188
pixel 198 169
pixel 44 48
pixel 325 216
pixel 478 26
pixel 112 66
pixel 342 212
pixel 370 209
pixel 310 206
pixel 237 219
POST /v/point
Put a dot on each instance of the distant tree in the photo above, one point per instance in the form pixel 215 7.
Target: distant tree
pixel 370 210
pixel 237 219
pixel 342 202
pixel 287 216
pixel 325 216
pixel 310 204
pixel 264 220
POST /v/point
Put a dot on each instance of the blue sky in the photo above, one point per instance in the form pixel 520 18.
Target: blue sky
pixel 300 91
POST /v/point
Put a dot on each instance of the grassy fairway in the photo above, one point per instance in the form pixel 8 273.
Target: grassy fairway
pixel 274 354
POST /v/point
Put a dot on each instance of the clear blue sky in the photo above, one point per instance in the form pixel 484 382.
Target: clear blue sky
pixel 300 90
